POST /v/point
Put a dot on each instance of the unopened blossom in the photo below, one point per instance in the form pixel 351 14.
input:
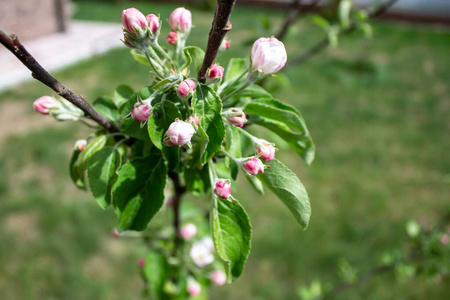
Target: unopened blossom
pixel 222 189
pixel 214 74
pixel 253 166
pixel 226 44
pixel 140 262
pixel 80 145
pixel 444 239
pixel 236 116
pixel 141 112
pixel 115 233
pixel 218 277
pixel 201 252
pixel 188 231
pixel 172 38
pixel 194 120
pixel 268 55
pixel 153 23
pixel 194 288
pixel 186 88
pixel 44 104
pixel 180 20
pixel 179 133
pixel 133 19
pixel 266 150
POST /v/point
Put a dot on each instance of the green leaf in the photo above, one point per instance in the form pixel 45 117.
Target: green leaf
pixel 84 156
pixel 236 67
pixel 289 189
pixel 156 272
pixel 194 59
pixel 345 6
pixel 77 178
pixel 285 121
pixel 102 168
pixel 321 22
pixel 197 180
pixel 122 94
pixel 256 183
pixel 208 108
pixel 139 57
pixel 253 91
pixel 139 192
pixel 199 144
pixel 106 107
pixel 231 234
pixel 167 83
pixel 233 146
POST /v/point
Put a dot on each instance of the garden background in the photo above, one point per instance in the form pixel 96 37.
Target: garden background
pixel 379 113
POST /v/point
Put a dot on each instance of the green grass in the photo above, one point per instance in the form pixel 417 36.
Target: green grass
pixel 378 112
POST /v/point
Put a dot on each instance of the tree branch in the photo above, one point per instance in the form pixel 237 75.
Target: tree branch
pixel 220 26
pixel 12 43
pixel 324 43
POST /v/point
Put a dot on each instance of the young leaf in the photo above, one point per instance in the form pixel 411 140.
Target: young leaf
pixel 289 189
pixel 122 94
pixel 197 180
pixel 77 178
pixel 208 108
pixel 139 57
pixel 84 156
pixel 167 83
pixel 231 234
pixel 139 192
pixel 102 168
pixel 194 58
pixel 200 142
pixel 106 107
pixel 285 121
pixel 233 146
pixel 256 183
pixel 236 67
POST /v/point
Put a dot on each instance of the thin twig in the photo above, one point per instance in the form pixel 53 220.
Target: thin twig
pixel 292 13
pixel 12 43
pixel 220 26
pixel 324 43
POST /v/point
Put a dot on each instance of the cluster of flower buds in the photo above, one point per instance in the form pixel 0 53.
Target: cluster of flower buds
pixel 61 109
pixel 268 56
pixel 179 133
pixel 139 30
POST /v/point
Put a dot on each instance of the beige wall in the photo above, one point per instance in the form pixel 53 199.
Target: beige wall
pixel 29 19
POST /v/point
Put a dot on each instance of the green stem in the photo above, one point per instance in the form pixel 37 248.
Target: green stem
pixel 164 53
pixel 233 83
pixel 250 80
pixel 150 61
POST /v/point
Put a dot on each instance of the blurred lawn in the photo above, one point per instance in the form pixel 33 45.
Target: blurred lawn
pixel 378 111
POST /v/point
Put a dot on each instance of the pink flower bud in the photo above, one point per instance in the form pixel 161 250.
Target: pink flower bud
pixel 115 234
pixel 153 23
pixel 141 112
pixel 133 19
pixel 445 239
pixel 226 43
pixel 186 88
pixel 253 166
pixel 218 277
pixel 223 189
pixel 172 38
pixel 266 150
pixel 268 55
pixel 194 120
pixel 180 20
pixel 236 117
pixel 188 231
pixel 43 104
pixel 194 288
pixel 140 262
pixel 179 133
pixel 169 201
pixel 80 145
pixel 214 74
